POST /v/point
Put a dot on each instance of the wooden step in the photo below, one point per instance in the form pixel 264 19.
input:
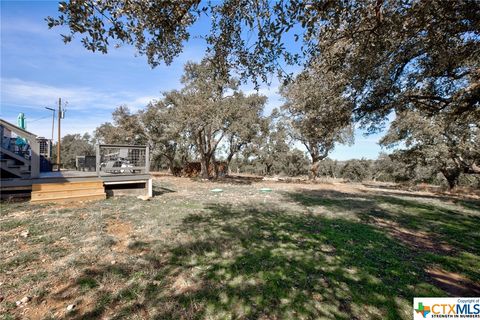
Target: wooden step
pixel 72 199
pixel 14 155
pixel 9 162
pixel 67 189
pixel 14 170
pixel 66 193
pixel 97 184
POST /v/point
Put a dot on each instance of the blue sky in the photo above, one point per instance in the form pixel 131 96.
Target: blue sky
pixel 37 69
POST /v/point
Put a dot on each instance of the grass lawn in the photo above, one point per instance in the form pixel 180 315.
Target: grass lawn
pixel 302 251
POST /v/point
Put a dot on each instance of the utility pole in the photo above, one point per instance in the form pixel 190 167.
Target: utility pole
pixel 53 129
pixel 59 137
pixel 53 120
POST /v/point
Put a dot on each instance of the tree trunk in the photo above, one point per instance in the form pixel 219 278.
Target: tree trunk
pixel 204 164
pixel 452 181
pixel 171 165
pixel 314 169
pixel 204 155
pixel 215 166
pixel 452 176
pixel 268 168
pixel 229 159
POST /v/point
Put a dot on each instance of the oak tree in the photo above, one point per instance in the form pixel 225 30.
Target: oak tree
pixel 247 123
pixel 319 114
pixel 125 129
pixel 449 147
pixel 163 132
pixel 210 108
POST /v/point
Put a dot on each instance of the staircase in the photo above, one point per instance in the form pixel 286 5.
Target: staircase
pixel 15 168
pixel 18 163
pixel 68 191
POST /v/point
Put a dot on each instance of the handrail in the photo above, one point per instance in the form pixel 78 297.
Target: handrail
pixel 122 146
pixel 14 155
pixel 32 141
pixel 19 131
pixel 137 163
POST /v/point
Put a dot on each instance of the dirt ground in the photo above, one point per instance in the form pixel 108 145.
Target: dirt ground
pixel 260 249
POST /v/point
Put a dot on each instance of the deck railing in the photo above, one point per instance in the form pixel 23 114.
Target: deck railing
pixel 30 156
pixel 113 159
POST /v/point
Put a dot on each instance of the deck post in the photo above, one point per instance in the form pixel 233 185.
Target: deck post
pixel 147 159
pixel 35 160
pixel 97 159
pixel 149 188
pixel 1 136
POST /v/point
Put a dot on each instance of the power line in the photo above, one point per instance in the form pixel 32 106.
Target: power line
pixel 39 119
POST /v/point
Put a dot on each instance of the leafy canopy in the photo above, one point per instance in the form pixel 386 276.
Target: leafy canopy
pixel 210 109
pixel 436 142
pixel 389 55
pixel 319 114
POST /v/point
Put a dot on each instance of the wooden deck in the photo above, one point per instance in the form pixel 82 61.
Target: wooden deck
pixel 73 185
pixel 119 169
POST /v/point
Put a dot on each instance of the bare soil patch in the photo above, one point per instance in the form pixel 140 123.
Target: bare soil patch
pixel 121 231
pixel 455 284
pixel 420 240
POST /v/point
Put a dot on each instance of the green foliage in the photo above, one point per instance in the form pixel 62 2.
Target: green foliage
pixel 126 129
pixel 163 132
pixel 291 163
pixel 318 113
pixel 356 170
pixel 106 22
pixel 387 55
pixel 295 163
pixel 435 144
pixel 210 109
pixel 270 149
pixel 362 61
pixel 193 122
pixel 388 168
pixel 247 123
pixel 407 55
pixel 87 283
pixel 74 145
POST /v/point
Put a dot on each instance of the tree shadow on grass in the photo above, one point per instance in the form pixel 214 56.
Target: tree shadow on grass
pixel 334 200
pixel 158 190
pixel 239 180
pixel 255 262
pixel 469 204
pixel 458 229
pixel 258 261
pixel 451 226
pixel 264 262
pixel 446 237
